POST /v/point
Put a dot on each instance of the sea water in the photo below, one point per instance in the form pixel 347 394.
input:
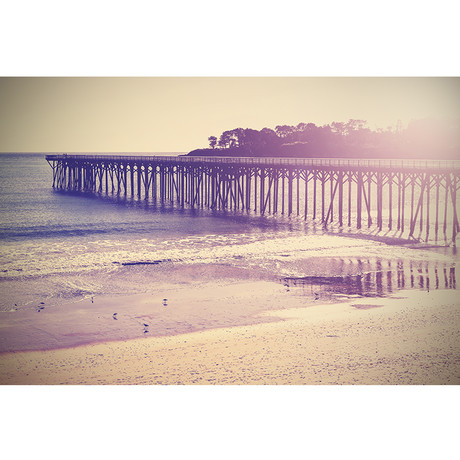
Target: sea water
pixel 57 245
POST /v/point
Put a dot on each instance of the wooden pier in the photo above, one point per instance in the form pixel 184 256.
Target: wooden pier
pixel 417 198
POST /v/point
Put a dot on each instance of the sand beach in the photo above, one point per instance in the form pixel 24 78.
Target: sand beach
pixel 240 332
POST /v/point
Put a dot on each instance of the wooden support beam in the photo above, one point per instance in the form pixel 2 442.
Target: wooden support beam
pixel 262 191
pixel 255 189
pixel 368 198
pixel 131 167
pixel 323 186
pixel 428 206
pixel 139 180
pixel 298 193
pixel 329 212
pixel 390 201
pixel 446 199
pixel 359 199
pixel 379 201
pixel 267 199
pixel 306 195
pixel 419 206
pixel 455 224
pixel 248 190
pixel 154 183
pixel 340 182
pixel 403 200
pixel 146 182
pixel 422 197
pixel 314 194
pixel 350 180
pixel 412 204
pixel 282 193
pixel 182 186
pixel 276 194
pixel 436 225
pixel 332 193
pixel 399 200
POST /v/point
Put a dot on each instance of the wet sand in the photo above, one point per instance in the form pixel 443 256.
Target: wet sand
pixel 410 337
pixel 177 300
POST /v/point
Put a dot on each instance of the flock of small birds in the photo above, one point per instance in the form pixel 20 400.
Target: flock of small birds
pixel 114 315
pixel 146 326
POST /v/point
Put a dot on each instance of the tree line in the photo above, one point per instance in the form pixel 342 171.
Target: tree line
pixel 420 139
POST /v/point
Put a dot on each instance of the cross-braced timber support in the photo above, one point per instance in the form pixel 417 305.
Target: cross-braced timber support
pixel 418 197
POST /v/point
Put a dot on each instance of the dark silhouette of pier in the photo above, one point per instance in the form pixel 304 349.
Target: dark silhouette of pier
pixel 417 198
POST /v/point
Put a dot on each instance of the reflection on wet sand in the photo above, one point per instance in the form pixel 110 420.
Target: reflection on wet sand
pixel 374 278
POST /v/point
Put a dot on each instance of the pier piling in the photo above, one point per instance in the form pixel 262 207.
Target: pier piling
pixel 253 185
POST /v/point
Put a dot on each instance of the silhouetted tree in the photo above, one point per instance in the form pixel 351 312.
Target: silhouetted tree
pixel 422 139
pixel 339 128
pixel 268 136
pixel 224 140
pixel 249 139
pixel 354 125
pixel 212 141
pixel 284 130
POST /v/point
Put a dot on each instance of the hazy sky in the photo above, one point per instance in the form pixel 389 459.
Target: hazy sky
pixel 162 114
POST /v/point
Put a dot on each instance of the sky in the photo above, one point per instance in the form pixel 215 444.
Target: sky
pixel 178 114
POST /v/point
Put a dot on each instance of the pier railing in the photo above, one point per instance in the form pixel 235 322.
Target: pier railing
pixel 317 162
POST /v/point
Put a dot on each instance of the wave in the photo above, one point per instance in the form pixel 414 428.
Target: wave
pixel 63 232
pixel 48 233
pixel 114 248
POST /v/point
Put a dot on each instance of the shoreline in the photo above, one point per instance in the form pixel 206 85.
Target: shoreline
pixel 403 339
pixel 280 300
pixel 195 298
pixel 168 299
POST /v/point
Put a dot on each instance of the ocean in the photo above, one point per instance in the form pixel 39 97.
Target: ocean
pixel 58 246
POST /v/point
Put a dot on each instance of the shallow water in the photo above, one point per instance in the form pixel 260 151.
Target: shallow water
pixel 374 277
pixel 65 246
